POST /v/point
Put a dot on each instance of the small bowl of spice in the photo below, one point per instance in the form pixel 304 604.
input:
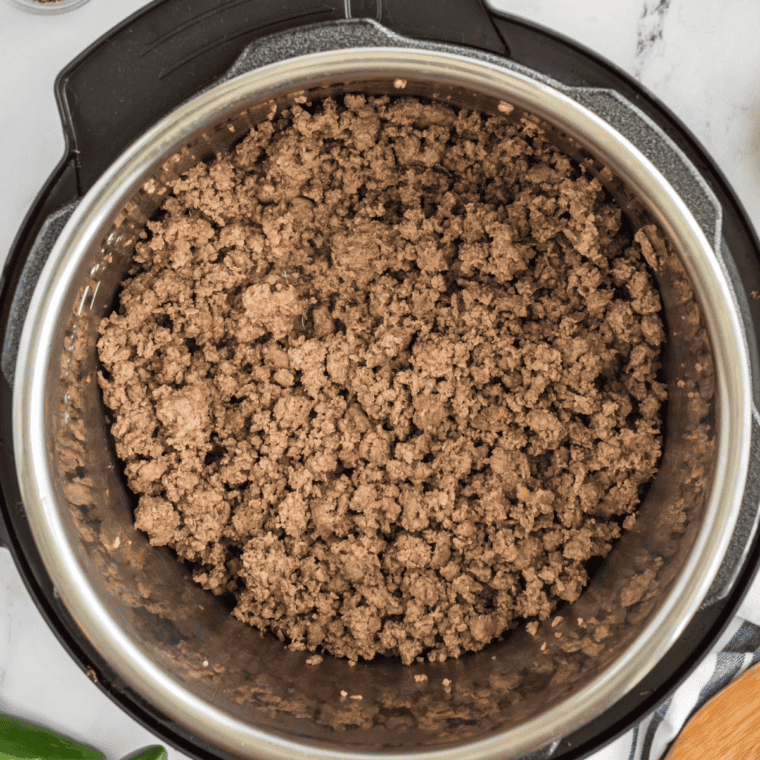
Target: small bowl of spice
pixel 46 7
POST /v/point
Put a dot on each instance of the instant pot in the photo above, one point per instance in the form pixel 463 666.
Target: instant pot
pixel 182 81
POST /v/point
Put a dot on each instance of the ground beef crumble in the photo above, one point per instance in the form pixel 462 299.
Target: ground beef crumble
pixel 388 375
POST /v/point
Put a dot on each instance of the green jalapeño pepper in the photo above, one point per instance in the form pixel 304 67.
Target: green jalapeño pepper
pixel 21 740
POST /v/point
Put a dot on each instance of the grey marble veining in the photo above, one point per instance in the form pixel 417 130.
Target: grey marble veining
pixel 649 31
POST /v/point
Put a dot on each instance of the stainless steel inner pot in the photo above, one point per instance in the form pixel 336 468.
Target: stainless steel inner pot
pixel 240 692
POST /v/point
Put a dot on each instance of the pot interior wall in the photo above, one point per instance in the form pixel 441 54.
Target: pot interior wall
pixel 189 634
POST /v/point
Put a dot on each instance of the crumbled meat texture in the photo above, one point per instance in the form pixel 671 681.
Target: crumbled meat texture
pixel 387 374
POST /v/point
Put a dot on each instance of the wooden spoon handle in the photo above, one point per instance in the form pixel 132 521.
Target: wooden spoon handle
pixel 727 727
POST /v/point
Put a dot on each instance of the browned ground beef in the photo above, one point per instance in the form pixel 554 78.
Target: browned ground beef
pixel 387 374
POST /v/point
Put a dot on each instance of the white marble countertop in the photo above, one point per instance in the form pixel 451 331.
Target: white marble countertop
pixel 701 58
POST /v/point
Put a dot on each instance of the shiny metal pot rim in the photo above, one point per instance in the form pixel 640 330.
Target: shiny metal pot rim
pixel 90 222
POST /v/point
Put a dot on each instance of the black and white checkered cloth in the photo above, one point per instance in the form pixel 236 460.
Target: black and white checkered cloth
pixel 737 650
